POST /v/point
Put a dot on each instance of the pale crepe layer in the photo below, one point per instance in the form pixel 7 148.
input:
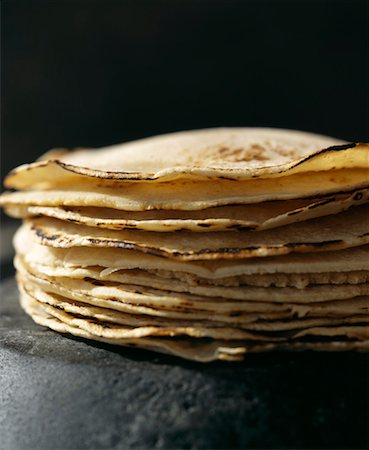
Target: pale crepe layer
pixel 274 327
pixel 334 232
pixel 196 351
pixel 258 216
pixel 125 326
pixel 251 316
pixel 241 319
pixel 193 349
pixel 112 260
pixel 110 324
pixel 184 282
pixel 190 194
pixel 278 280
pixel 234 152
pixel 248 297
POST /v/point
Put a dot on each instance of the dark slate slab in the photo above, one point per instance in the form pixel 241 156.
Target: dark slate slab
pixel 61 392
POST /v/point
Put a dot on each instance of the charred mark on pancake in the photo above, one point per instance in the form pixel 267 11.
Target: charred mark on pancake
pixel 41 234
pixel 358 196
pixel 226 250
pixel 58 307
pixel 204 225
pixel 316 196
pixel 121 244
pixel 332 148
pixel 236 250
pixel 108 175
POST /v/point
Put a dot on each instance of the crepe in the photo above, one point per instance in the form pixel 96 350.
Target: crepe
pixel 202 350
pixel 189 194
pixel 238 153
pixel 110 323
pixel 231 287
pixel 153 309
pixel 197 350
pixel 251 298
pixel 133 314
pixel 325 233
pixel 206 244
pixel 259 216
pixel 111 260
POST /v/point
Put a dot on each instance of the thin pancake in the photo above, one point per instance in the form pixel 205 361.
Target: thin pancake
pixel 194 349
pixel 113 259
pixel 238 153
pixel 248 297
pixel 271 318
pixel 109 324
pixel 334 232
pixel 189 194
pixel 185 282
pixel 278 326
pixel 258 216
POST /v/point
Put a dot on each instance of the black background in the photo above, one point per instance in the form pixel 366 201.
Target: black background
pixel 91 73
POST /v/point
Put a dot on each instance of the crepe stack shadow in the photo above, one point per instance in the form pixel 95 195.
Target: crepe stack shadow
pixel 206 244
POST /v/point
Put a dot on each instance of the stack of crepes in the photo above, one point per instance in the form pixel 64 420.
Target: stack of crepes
pixel 206 244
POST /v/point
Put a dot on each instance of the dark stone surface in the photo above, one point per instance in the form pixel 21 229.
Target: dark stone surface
pixel 61 392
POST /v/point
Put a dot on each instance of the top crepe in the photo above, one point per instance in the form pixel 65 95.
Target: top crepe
pixel 231 153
